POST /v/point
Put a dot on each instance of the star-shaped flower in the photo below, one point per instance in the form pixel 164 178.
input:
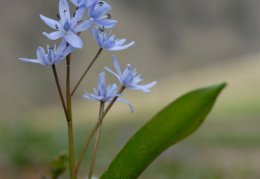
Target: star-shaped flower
pixel 99 12
pixel 108 41
pixel 105 93
pixel 52 56
pixel 67 27
pixel 129 77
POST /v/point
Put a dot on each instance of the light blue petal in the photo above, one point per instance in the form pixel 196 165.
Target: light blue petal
pixel 40 53
pixel 106 23
pixel 77 17
pixel 41 56
pixel 91 3
pixel 118 48
pixel 116 65
pixel 64 11
pixel 149 85
pixel 68 50
pixel 97 98
pixel 126 102
pixel 73 39
pixel 112 37
pixel 62 51
pixel 137 79
pixel 97 36
pixel 145 88
pixel 113 88
pixel 111 91
pixel 102 84
pixel 112 73
pixel 127 76
pixel 108 44
pixel 120 42
pixel 62 46
pixel 54 35
pixel 83 26
pixel 51 56
pixel 87 96
pixel 31 60
pixel 78 3
pixel 92 97
pixel 51 22
pixel 140 88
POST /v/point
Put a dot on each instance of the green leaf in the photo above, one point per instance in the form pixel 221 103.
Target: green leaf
pixel 174 123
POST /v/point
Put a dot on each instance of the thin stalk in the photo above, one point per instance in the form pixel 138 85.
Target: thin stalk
pixel 92 133
pixel 59 90
pixel 94 153
pixel 70 123
pixel 86 71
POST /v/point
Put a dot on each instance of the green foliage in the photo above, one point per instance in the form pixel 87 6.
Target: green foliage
pixel 174 123
pixel 59 165
pixel 21 143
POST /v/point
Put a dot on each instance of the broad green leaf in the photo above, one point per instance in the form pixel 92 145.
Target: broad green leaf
pixel 174 123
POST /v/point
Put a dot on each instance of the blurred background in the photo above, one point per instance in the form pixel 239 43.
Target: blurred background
pixel 180 44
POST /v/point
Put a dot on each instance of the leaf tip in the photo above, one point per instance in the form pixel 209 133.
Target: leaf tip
pixel 219 87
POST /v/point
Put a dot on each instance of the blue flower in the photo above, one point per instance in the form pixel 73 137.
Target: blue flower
pixel 129 77
pixel 99 12
pixel 53 55
pixel 105 93
pixel 109 41
pixel 67 27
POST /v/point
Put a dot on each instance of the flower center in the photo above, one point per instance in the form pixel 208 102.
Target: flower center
pixel 66 26
pixel 51 54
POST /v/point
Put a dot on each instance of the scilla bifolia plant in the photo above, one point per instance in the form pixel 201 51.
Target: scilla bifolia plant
pixel 174 123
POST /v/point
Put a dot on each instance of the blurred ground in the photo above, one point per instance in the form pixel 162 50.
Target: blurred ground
pixel 180 44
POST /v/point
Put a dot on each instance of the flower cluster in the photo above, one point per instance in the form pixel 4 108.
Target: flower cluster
pixel 92 16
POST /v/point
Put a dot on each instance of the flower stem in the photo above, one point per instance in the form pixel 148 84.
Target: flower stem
pixel 92 133
pixel 59 90
pixel 86 71
pixel 94 153
pixel 70 123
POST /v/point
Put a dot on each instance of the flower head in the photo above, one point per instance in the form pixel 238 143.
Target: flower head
pixel 67 27
pixel 99 12
pixel 105 93
pixel 109 41
pixel 52 56
pixel 129 77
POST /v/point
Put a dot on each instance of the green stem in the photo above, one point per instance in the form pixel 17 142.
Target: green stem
pixel 92 133
pixel 70 123
pixel 94 153
pixel 59 90
pixel 86 71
